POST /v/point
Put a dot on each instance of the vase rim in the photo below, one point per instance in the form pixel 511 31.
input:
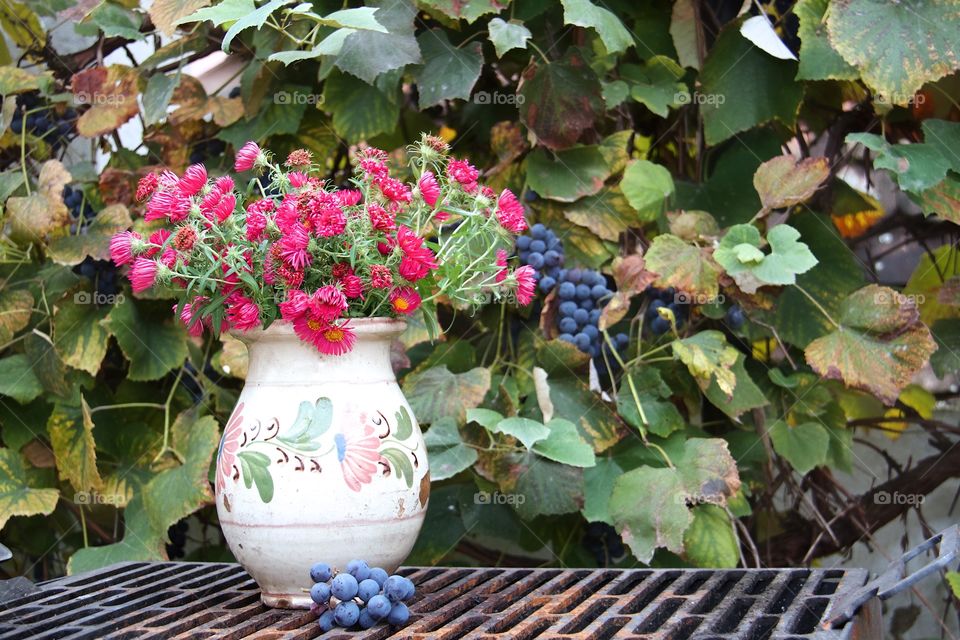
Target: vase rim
pixel 378 327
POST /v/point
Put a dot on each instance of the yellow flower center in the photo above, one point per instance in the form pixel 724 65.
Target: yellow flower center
pixel 333 335
pixel 401 304
pixel 315 325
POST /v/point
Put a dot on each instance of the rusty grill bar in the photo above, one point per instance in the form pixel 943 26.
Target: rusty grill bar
pixel 207 600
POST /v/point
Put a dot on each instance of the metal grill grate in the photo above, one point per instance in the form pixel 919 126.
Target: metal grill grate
pixel 200 601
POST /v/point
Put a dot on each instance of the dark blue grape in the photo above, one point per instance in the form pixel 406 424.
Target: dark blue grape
pixel 395 588
pixel 582 316
pixel 344 586
pixel 320 572
pixel 587 304
pixel 599 292
pixel 567 291
pixel 367 589
pixel 621 340
pixel 652 309
pixel 320 593
pixel 582 341
pixel 735 317
pixel 594 316
pixel 379 606
pixel 358 569
pixel 551 258
pixel 567 307
pixel 591 331
pixel 547 283
pixel 566 337
pixel 366 620
pixel 234 93
pixel 399 614
pixel 583 292
pixel 538 246
pixel 568 325
pixel 17 125
pixel 326 621
pixel 538 231
pixel 530 195
pixel 378 575
pixel 574 276
pixel 346 614
pixel 659 326
pixel 535 260
pixel 523 243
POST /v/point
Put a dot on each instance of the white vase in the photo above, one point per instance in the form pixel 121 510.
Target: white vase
pixel 321 461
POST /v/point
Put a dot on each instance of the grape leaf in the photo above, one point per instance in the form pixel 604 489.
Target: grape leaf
pixel 606 213
pixel 567 175
pixel 34 216
pixel 153 344
pixel 16 80
pixel 17 496
pixel 683 266
pixel 658 84
pixel 946 359
pixel 709 358
pixel 256 18
pixel 804 446
pixel 115 21
pixel 740 255
pixel 141 543
pixel 598 484
pixel 880 344
pixel 896 46
pixel 437 392
pixel 707 470
pixel 448 72
pixel 710 541
pixel 468 11
pixel 71 436
pixel 360 110
pixel 18 379
pixel 583 13
pixel 785 181
pixel 16 306
pixel 111 93
pixel 746 394
pixel 507 36
pixel 649 509
pixel 527 431
pixel 653 396
pixel 74 249
pixel 565 445
pixel 548 488
pixel 818 59
pixel 78 335
pixel 368 54
pixel 647 187
pixel 561 100
pixel 447 451
pixel 683 31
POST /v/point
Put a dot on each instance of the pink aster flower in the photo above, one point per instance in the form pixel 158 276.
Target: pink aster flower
pixel 352 286
pixel 168 257
pixel 168 204
pixel 464 173
pixel 394 190
pixel 404 300
pixel 193 180
pixel 121 247
pixel 225 207
pixel 224 183
pixel 330 221
pixel 229 446
pixel 256 223
pixel 297 179
pixel 502 263
pixel 510 213
pixel 242 312
pixel 293 247
pixel 526 284
pixel 359 456
pixel 247 157
pixel 329 339
pixel 429 189
pixel 349 197
pixel 380 218
pixel 143 273
pixel 146 186
pixel 380 276
pixel 327 303
pixel 190 320
pixel 295 305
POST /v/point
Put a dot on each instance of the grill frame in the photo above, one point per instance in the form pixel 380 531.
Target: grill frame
pixel 218 600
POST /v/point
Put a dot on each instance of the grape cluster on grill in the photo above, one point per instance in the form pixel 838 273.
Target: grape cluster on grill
pixel 359 596
pixel 42 120
pixel 604 543
pixel 542 250
pixel 670 299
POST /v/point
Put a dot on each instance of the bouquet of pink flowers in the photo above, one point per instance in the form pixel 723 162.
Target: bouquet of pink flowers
pixel 300 251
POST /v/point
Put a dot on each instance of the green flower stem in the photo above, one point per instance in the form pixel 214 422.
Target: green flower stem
pixel 166 422
pixel 128 405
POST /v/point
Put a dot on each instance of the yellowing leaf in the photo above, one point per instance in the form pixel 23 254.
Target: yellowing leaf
pixel 708 357
pixel 17 497
pixel 880 344
pixel 33 217
pixel 166 13
pixel 112 95
pixel 785 181
pixel 685 267
pixel 15 309
pixel 71 435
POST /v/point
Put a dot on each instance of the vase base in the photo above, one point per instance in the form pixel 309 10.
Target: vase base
pixel 286 600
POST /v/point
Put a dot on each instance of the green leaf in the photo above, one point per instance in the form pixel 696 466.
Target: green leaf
pixel 18 380
pixel 22 25
pixel 141 543
pixel 567 175
pixel 583 13
pixel 804 446
pixel 468 11
pixel 658 84
pixel 10 181
pixel 256 18
pixel 115 21
pixel 746 394
pixel 71 436
pixel 548 488
pixel 48 367
pixel 73 249
pixel 78 335
pixel 709 359
pixel 649 509
pixel 368 54
pixel 710 540
pixel 683 266
pixel 818 59
pixel 953 579
pixel 16 80
pixel 707 470
pixel 946 360
pixel 255 469
pixel 916 167
pixel 525 430
pixel 17 497
pixel 740 255
pixel 561 100
pixel 880 344
pixel 927 281
pixel 360 111
pixel 744 87
pixel 278 117
pixel 596 420
pixel 221 13
pixel 447 452
pixel 565 445
pixel 606 213
pixel 683 32
pixel 437 392
pixel 153 347
pixel 785 181
pixel 165 14
pixel 16 306
pixel 448 73
pixel 312 421
pixel 157 97
pixel 897 47
pixel 648 187
pixel 598 482
pixel 653 394
pixel 507 36
pixel 361 18
pixel 487 418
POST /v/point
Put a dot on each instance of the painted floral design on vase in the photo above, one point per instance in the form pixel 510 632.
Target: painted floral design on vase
pixel 321 459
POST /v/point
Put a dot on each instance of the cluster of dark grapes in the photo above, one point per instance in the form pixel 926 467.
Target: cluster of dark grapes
pixel 177 533
pixel 670 299
pixel 604 543
pixel 359 595
pixel 734 318
pixel 207 149
pixel 42 120
pixel 543 251
pixel 103 273
pixel 81 210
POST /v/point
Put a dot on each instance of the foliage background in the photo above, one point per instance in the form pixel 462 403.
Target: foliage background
pixel 611 118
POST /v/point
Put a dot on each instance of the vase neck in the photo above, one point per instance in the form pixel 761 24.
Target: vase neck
pixel 285 359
